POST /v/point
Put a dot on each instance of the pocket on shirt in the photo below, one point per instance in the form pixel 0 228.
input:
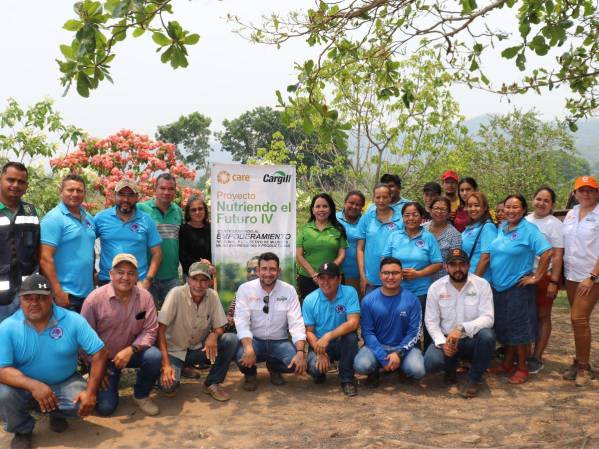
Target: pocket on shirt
pixel 470 308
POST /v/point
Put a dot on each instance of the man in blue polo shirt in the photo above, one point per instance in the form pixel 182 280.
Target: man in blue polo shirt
pixel 332 316
pixel 38 363
pixel 125 229
pixel 67 250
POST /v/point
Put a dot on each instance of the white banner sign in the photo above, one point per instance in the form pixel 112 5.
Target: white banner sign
pixel 252 212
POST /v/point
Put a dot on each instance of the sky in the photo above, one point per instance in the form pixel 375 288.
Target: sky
pixel 227 75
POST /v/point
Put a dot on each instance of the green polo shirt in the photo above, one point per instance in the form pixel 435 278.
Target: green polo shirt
pixel 6 211
pixel 319 246
pixel 168 227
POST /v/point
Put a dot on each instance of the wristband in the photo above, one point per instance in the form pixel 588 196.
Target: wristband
pixel 551 281
pixel 299 350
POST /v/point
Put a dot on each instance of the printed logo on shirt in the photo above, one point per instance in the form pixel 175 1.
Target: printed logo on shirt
pixel 340 308
pixel 420 243
pixel 135 227
pixel 471 294
pixel 403 313
pixel 514 235
pixel 390 225
pixel 444 296
pixel 56 333
pixel 88 223
pixel 281 298
pixel 470 233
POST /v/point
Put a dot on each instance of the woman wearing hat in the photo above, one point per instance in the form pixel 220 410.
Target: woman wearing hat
pixel 581 270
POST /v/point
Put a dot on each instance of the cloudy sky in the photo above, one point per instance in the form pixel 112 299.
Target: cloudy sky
pixel 227 75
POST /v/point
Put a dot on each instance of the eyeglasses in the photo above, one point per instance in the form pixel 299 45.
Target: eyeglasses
pixel 440 209
pixel 266 299
pixel 390 273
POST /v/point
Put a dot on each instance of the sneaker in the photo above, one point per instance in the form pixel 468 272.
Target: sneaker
pixel 534 365
pixel 583 376
pixel 373 380
pixel 276 378
pixel 450 377
pixel 21 441
pixel 570 372
pixel 58 424
pixel 469 390
pixel 189 372
pixel 147 406
pixel 250 383
pixel 217 393
pixel 349 389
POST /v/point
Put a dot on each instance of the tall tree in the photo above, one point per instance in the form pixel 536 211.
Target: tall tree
pixel 191 135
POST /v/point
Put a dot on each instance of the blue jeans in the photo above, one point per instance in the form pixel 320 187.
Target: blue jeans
pixel 9 309
pixel 149 363
pixel 15 404
pixel 412 363
pixel 160 288
pixel 227 347
pixel 343 349
pixel 479 350
pixel 276 353
pixel 75 303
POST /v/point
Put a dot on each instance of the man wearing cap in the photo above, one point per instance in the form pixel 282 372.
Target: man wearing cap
pixel 38 363
pixel 124 316
pixel 459 317
pixel 450 188
pixel 267 311
pixel 168 218
pixel 430 191
pixel 67 250
pixel 191 331
pixel 332 317
pixel 19 236
pixel 124 228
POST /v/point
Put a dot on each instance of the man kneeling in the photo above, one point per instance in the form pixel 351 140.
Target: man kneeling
pixel 332 316
pixel 38 363
pixel 459 317
pixel 390 328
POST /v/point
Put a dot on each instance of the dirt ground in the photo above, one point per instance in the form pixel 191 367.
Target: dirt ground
pixel 546 412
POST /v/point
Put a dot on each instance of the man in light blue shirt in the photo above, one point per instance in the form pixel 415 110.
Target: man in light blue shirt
pixel 67 250
pixel 38 363
pixel 125 229
pixel 332 316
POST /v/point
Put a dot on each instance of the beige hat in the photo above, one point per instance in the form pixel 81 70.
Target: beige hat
pixel 200 268
pixel 126 182
pixel 124 257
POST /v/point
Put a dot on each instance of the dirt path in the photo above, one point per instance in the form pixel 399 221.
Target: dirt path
pixel 546 412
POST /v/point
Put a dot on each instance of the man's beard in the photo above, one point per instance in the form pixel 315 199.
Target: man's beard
pixel 458 276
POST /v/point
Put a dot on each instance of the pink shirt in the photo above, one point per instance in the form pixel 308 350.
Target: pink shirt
pixel 120 326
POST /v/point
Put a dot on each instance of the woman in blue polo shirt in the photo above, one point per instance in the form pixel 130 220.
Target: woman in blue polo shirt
pixel 512 259
pixel 374 229
pixel 349 217
pixel 479 234
pixel 322 239
pixel 419 253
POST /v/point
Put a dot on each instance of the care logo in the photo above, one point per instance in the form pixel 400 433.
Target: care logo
pixel 223 177
pixel 278 177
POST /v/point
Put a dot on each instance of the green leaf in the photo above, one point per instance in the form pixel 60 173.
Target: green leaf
pixel 510 52
pixel 161 39
pixel 83 85
pixel 67 51
pixel 72 25
pixel 138 32
pixel 192 39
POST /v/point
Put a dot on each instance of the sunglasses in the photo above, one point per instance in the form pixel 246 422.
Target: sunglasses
pixel 266 299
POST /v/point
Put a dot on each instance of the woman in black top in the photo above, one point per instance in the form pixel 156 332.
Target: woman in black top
pixel 194 235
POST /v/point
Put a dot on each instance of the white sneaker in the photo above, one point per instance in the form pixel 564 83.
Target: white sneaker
pixel 147 406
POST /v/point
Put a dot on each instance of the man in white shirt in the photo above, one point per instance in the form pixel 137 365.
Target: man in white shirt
pixel 459 317
pixel 267 310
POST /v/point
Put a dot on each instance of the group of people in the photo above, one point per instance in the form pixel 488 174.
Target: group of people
pixel 423 285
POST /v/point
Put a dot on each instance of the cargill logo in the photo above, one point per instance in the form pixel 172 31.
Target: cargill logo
pixel 279 177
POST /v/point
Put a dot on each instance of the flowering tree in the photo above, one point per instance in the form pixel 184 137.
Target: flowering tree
pixel 104 162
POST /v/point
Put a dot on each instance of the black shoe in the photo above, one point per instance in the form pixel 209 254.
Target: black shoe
pixel 250 383
pixel 320 379
pixel 373 380
pixel 21 441
pixel 349 389
pixel 276 378
pixel 469 390
pixel 58 424
pixel 450 377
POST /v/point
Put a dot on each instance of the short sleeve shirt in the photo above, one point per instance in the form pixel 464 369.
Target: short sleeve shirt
pixel 135 236
pixel 513 253
pixel 414 252
pixel 551 228
pixel 188 324
pixel 49 356
pixel 73 240
pixel 581 243
pixel 350 264
pixel 319 246
pixel 326 315
pixel 483 246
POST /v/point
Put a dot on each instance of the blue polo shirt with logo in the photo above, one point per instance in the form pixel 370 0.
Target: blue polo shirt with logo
pixel 51 355
pixel 135 236
pixel 73 240
pixel 414 252
pixel 483 246
pixel 375 235
pixel 513 253
pixel 325 314
pixel 350 264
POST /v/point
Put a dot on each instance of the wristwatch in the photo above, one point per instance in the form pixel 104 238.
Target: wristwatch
pixel 150 279
pixel 593 277
pixel 135 349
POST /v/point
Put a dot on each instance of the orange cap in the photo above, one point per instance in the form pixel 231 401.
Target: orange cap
pixel 586 181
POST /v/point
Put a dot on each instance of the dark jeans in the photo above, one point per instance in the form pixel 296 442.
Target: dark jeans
pixel 149 363
pixel 227 347
pixel 305 285
pixel 160 288
pixel 276 353
pixel 426 336
pixel 343 349
pixel 75 303
pixel 478 350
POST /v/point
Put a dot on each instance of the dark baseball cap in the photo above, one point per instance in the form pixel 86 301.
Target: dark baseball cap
pixel 329 268
pixel 36 284
pixel 457 254
pixel 432 187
